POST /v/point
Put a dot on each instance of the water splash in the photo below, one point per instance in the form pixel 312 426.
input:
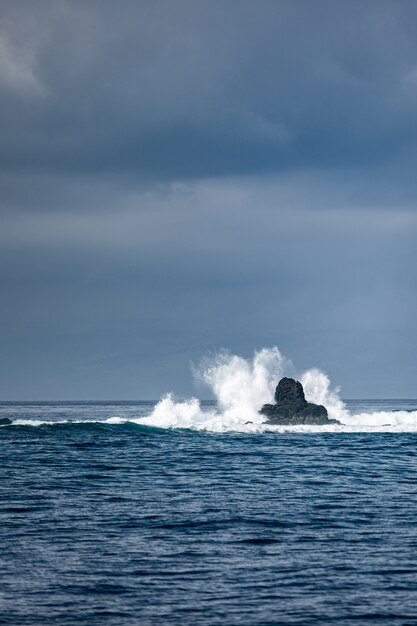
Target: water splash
pixel 241 386
pixel 317 389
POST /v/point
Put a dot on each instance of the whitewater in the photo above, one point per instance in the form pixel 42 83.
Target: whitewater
pixel 241 386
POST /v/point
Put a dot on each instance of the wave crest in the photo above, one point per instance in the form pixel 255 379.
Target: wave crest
pixel 241 386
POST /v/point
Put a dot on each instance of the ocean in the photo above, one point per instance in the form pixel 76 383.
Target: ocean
pixel 121 514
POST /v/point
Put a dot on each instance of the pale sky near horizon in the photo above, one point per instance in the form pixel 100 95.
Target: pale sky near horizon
pixel 179 177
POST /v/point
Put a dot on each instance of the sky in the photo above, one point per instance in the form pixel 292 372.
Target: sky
pixel 182 177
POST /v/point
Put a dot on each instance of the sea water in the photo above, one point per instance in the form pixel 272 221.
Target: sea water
pixel 182 512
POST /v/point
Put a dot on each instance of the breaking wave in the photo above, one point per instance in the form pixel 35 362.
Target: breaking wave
pixel 241 386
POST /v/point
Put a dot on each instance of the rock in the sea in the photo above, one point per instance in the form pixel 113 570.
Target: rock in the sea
pixel 5 421
pixel 292 408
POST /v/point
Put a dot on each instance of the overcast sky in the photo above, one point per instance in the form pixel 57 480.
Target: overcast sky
pixel 178 177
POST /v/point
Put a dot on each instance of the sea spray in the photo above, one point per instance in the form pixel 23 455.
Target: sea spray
pixel 317 389
pixel 241 386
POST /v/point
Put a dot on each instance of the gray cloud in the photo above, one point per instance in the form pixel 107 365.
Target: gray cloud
pixel 194 89
pixel 202 266
pixel 180 177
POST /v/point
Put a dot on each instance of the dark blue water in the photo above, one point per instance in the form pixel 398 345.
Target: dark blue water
pixel 123 524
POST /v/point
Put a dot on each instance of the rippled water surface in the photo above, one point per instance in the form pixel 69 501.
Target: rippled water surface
pixel 118 523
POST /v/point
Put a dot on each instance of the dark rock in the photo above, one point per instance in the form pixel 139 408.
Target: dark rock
pixel 292 408
pixel 5 421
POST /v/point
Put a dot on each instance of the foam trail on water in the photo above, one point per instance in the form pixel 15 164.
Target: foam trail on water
pixel 242 386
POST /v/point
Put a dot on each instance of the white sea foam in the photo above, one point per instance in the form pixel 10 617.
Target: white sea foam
pixel 242 386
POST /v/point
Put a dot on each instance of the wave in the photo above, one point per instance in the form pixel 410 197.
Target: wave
pixel 241 386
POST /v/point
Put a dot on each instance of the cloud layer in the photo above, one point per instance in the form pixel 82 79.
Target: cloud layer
pixel 181 177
